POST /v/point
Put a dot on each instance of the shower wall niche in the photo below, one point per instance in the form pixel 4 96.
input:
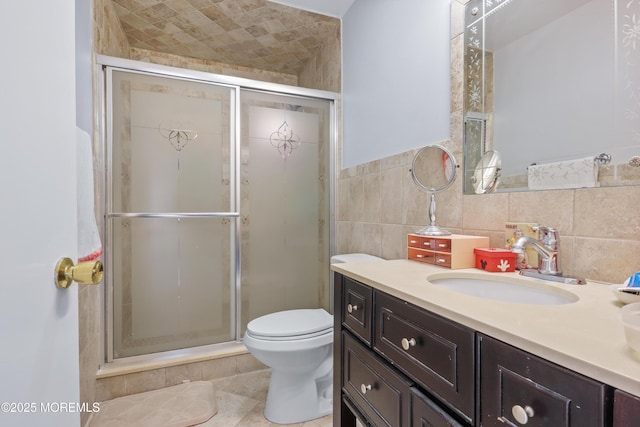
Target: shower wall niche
pixel 217 209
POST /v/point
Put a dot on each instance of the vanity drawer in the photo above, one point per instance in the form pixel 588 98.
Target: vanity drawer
pixel 442 245
pixel 436 353
pixel 382 395
pixel 544 394
pixel 421 255
pixel 443 260
pixel 357 304
pixel 425 412
pixel 413 241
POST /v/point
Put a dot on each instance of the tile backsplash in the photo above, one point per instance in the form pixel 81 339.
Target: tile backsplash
pixel 379 204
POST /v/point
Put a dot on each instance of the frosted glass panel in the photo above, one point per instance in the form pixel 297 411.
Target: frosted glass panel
pixel 170 153
pixel 285 204
pixel 172 284
pixel 170 150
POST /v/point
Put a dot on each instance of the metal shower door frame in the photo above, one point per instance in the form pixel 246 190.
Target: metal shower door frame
pixel 108 65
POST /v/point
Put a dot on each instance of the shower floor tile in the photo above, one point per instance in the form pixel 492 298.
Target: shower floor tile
pixel 241 400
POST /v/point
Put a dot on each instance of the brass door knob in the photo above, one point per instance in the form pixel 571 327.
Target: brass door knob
pixel 88 273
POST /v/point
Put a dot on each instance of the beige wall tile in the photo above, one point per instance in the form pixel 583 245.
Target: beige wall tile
pixel 371 200
pixel 394 241
pixel 486 212
pixel 550 208
pixel 175 375
pixel 145 381
pixel 344 231
pixel 403 159
pixel 391 198
pixel 110 388
pixel 607 260
pixel 457 74
pixel 448 213
pixel 219 368
pixel 368 238
pixel 415 202
pixel 342 203
pixel 356 198
pixel 248 363
pixel 457 18
pixel 608 212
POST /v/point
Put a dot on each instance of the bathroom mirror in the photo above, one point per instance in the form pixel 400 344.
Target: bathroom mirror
pixel 549 82
pixel 433 170
pixel 486 175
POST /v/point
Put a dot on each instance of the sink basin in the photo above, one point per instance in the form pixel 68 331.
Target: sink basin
pixel 500 288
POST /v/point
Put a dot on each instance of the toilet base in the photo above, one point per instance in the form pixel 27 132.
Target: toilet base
pixel 295 398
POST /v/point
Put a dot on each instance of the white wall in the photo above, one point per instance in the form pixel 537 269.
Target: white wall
pixel 395 78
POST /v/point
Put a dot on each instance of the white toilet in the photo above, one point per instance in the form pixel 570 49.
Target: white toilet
pixel 298 347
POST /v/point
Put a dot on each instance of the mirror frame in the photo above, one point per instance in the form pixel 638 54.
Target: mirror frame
pixel 433 229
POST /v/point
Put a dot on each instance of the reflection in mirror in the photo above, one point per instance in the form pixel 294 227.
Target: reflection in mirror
pixel 486 175
pixel 553 83
pixel 433 170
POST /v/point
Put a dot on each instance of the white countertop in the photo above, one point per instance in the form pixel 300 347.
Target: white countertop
pixel 585 336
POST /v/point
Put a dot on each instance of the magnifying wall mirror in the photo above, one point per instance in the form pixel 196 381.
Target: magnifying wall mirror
pixel 486 175
pixel 433 170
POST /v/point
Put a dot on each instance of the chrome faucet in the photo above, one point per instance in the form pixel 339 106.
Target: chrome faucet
pixel 548 247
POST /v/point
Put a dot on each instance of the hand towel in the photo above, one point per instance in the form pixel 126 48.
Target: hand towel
pixel 89 245
pixel 577 173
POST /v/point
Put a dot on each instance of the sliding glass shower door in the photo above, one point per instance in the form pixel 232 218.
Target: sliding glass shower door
pixel 170 213
pixel 285 180
pixel 217 208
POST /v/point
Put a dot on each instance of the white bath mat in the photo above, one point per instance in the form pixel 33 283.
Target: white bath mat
pixel 178 406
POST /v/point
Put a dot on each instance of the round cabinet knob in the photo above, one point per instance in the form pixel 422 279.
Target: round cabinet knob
pixel 352 308
pixel 407 344
pixel 365 388
pixel 521 414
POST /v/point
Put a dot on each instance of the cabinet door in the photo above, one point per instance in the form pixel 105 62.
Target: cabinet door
pixel 426 413
pixel 517 388
pixel 435 352
pixel 626 410
pixel 381 395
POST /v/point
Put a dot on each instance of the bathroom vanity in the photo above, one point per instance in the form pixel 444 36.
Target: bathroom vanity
pixel 409 353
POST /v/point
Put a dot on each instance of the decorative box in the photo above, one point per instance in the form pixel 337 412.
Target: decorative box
pixel 453 251
pixel 495 259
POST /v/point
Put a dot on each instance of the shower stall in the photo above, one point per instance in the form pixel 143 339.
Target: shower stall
pixel 217 205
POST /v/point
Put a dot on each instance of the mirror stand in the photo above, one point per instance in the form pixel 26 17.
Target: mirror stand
pixel 433 229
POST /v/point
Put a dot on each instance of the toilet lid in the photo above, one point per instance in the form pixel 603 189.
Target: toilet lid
pixel 291 323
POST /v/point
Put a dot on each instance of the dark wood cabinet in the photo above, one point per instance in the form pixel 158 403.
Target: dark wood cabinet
pixel 357 304
pixel 438 354
pixel 426 413
pixel 379 386
pixel 397 364
pixel 381 394
pixel 517 388
pixel 626 410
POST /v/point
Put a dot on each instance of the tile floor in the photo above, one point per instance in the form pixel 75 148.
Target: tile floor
pixel 241 400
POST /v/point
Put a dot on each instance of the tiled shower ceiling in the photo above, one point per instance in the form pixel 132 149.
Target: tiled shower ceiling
pixel 250 33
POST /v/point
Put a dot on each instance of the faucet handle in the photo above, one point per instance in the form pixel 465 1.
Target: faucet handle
pixel 548 236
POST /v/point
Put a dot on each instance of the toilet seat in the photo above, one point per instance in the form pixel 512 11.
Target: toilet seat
pixel 291 325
